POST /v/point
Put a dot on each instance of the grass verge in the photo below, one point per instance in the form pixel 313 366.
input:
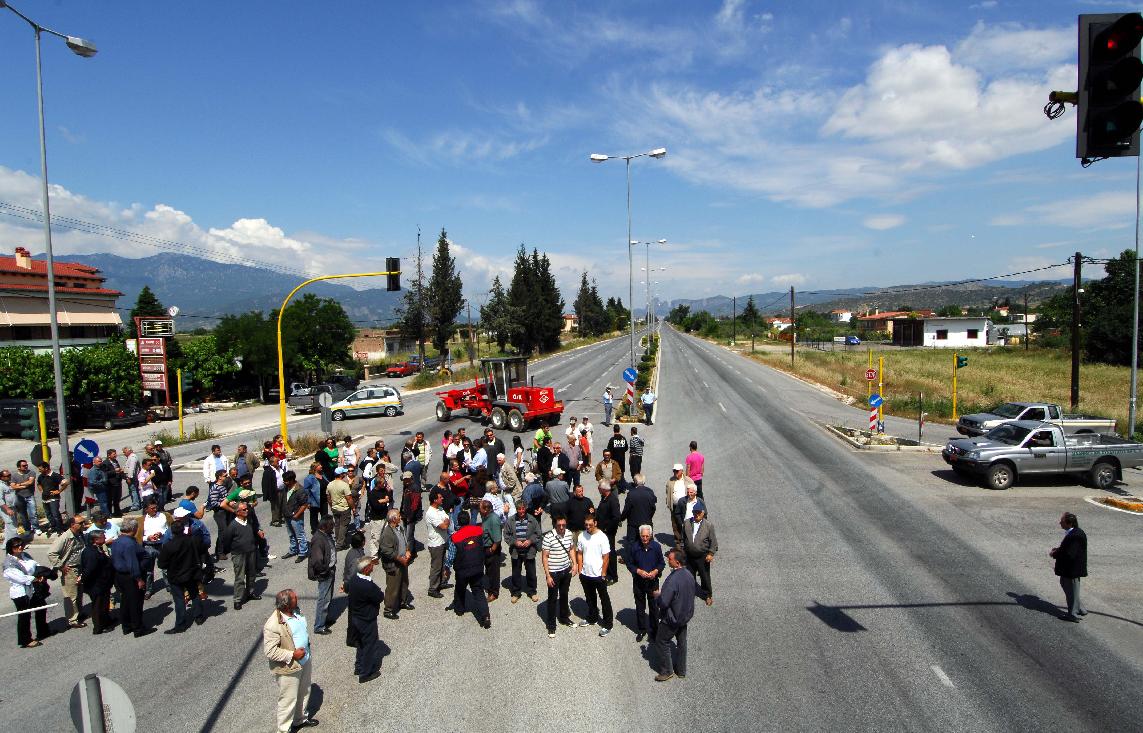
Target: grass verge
pixel 201 431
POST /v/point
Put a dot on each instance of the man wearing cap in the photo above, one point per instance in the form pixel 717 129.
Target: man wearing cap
pixel 676 605
pixel 557 492
pixel 700 546
pixel 648 399
pixel 677 486
pixel 341 503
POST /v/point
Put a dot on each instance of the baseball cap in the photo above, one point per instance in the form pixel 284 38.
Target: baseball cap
pixel 181 512
pixel 246 494
pixel 677 467
pixel 339 470
pixel 557 471
pixel 407 474
pixel 156 442
pixel 699 507
pixel 529 477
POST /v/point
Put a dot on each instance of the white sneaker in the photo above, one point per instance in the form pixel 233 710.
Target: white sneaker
pixel 604 632
pixel 583 623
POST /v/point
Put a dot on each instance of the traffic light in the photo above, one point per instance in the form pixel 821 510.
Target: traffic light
pixel 1110 71
pixel 29 424
pixel 961 361
pixel 393 267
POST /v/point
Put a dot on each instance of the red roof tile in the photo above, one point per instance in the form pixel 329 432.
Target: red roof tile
pixel 63 269
pixel 43 288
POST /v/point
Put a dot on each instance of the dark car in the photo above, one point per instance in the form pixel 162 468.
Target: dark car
pixel 108 414
pixel 10 415
pixel 345 381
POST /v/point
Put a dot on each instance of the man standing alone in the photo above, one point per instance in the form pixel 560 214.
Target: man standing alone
pixel 286 644
pixel 1071 565
pixel 676 607
pixel 364 604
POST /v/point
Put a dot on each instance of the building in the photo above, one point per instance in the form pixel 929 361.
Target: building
pixel 85 309
pixel 372 345
pixel 942 333
pixel 840 315
pixel 571 322
pixel 778 324
pixel 878 321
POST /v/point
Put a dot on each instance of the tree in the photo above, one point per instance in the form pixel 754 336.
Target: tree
pixel 593 318
pixel 412 314
pixel 24 373
pixel 520 296
pixel 101 371
pixel 536 304
pixel 253 337
pixel 677 316
pixel 497 315
pixel 444 297
pixel 146 305
pixel 1107 312
pixel 619 318
pixel 949 311
pixel 207 363
pixel 316 335
pixel 549 306
pixel 749 313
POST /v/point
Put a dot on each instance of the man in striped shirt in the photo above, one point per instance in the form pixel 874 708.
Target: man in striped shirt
pixel 559 566
pixel 635 445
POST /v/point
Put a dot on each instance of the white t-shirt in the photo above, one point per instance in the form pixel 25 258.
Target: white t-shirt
pixel 154 525
pixel 433 518
pixel 592 548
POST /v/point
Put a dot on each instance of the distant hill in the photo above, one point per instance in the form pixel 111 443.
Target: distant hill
pixel 923 295
pixel 205 290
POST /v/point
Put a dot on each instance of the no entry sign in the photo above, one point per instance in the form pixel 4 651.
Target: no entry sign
pixel 871 374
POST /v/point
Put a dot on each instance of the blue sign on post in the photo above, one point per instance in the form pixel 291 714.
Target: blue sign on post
pixel 629 375
pixel 85 450
pixel 875 401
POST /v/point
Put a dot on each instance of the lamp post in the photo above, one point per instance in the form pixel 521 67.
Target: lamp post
pixel 647 268
pixel 85 49
pixel 600 158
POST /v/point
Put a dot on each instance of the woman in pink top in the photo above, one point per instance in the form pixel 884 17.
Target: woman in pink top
pixel 695 465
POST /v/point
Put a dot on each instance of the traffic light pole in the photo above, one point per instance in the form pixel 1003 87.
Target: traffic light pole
pixel 1077 268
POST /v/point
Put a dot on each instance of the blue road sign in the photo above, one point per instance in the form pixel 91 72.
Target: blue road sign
pixel 85 450
pixel 875 401
pixel 629 375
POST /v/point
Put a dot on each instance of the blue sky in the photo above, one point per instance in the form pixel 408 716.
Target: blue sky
pixel 818 145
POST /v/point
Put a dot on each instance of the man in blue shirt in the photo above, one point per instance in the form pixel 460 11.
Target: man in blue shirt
pixel 127 557
pixel 645 561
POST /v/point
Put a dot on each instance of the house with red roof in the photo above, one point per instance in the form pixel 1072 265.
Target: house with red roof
pixel 86 310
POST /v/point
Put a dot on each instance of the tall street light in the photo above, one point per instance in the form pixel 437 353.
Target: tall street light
pixel 651 316
pixel 599 158
pixel 85 49
pixel 648 269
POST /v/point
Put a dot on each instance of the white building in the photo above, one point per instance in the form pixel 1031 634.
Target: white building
pixel 956 332
pixel 839 315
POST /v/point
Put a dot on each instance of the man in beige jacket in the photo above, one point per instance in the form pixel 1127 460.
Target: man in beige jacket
pixel 286 644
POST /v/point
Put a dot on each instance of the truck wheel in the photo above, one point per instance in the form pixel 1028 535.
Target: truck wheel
pixel 515 421
pixel 499 418
pixel 1103 475
pixel 1001 476
pixel 107 425
pixel 390 411
pixel 443 413
pixel 338 415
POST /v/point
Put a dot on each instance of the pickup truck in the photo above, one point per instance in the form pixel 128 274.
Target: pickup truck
pixel 981 422
pixel 401 369
pixel 306 400
pixel 1021 447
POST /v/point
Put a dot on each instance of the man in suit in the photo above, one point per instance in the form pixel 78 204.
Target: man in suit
pixel 364 604
pixel 638 509
pixel 98 575
pixel 393 551
pixel 1071 565
pixel 700 545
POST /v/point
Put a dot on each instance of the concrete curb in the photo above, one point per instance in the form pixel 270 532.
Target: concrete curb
pixel 922 448
pixel 1108 502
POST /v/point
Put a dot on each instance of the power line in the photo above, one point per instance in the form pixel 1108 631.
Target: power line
pixel 963 282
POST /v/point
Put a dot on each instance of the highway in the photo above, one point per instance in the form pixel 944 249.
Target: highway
pixel 853 591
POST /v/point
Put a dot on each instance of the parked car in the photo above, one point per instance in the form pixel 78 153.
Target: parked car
pixel 1022 447
pixel 346 381
pixel 852 341
pixel 981 422
pixel 10 415
pixel 401 369
pixel 108 414
pixel 382 400
pixel 307 399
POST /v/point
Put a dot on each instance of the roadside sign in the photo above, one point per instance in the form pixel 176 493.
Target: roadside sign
pixel 37 457
pixel 871 375
pixel 85 450
pixel 154 381
pixel 151 347
pixel 876 401
pixel 629 375
pixel 325 399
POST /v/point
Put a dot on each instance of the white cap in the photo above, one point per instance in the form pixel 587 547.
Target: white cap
pixel 677 467
pixel 181 512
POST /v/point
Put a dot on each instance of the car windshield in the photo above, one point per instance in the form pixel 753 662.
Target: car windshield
pixel 1008 434
pixel 1008 409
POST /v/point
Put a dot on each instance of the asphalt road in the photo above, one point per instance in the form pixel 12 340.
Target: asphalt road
pixel 853 591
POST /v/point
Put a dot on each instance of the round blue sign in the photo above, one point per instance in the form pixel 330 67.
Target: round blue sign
pixel 629 375
pixel 85 450
pixel 875 401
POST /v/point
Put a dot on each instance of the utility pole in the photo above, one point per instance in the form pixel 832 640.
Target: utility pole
pixel 733 319
pixel 472 342
pixel 751 333
pixel 793 329
pixel 1026 334
pixel 420 305
pixel 1077 268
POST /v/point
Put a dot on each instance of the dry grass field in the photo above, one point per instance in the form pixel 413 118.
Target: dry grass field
pixel 993 375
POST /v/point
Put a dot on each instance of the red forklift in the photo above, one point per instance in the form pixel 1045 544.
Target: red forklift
pixel 503 396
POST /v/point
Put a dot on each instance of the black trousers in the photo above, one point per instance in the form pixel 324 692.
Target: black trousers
pixel 698 488
pixel 636 466
pixel 612 565
pixel 595 593
pixel 24 620
pixel 645 605
pixel 460 591
pixel 558 594
pixel 667 661
pixel 131 613
pixel 221 522
pixel 365 660
pixel 492 573
pixel 100 611
pixel 528 566
pixel 701 568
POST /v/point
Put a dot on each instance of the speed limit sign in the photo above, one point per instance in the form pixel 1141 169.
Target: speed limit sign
pixel 870 374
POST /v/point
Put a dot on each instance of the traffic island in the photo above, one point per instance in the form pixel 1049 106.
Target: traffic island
pixel 1126 504
pixel 866 440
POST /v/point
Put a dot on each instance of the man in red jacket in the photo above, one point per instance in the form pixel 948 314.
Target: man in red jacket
pixel 469 569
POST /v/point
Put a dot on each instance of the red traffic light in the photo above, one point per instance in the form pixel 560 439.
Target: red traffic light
pixel 1118 39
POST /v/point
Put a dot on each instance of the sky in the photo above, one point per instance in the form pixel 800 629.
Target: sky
pixel 815 145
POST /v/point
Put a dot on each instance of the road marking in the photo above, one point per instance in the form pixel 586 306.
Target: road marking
pixel 940 673
pixel 748 379
pixel 721 405
pixel 703 384
pixel 564 387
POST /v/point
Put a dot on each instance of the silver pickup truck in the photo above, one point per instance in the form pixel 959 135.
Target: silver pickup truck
pixel 981 422
pixel 1032 447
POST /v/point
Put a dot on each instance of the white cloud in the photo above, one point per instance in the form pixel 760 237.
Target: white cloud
pixel 984 5
pixel 1108 210
pixel 752 278
pixel 882 222
pixel 793 278
pixel 454 146
pixel 1011 46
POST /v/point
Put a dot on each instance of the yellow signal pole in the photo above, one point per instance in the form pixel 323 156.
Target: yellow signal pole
pixel 954 384
pixel 179 375
pixel 869 382
pixel 881 389
pixel 43 430
pixel 281 368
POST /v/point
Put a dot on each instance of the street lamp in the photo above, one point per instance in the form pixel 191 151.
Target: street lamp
pixel 600 158
pixel 85 49
pixel 648 268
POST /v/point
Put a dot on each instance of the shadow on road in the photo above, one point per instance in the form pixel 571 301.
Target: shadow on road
pixel 1041 481
pixel 837 618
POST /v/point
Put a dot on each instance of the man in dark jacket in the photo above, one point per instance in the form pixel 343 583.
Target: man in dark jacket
pixel 638 509
pixel 607 516
pixel 523 540
pixel 322 567
pixel 181 558
pixel 98 575
pixel 1071 565
pixel 576 509
pixel 364 604
pixel 469 568
pixel 676 603
pixel 271 476
pixel 240 540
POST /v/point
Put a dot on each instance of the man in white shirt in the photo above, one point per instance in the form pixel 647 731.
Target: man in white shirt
pixel 437 521
pixel 573 430
pixel 592 556
pixel 214 463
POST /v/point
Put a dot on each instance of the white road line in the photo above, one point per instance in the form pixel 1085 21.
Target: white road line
pixel 564 387
pixel 723 407
pixel 748 379
pixel 940 673
pixel 703 384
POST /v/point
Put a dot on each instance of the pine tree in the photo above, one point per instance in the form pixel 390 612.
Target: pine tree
pixel 412 314
pixel 497 316
pixel 444 298
pixel 582 307
pixel 521 297
pixel 548 319
pixel 599 318
pixel 146 305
